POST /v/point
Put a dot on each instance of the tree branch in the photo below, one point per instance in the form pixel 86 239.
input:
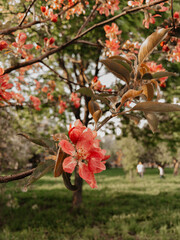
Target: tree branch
pixel 5 179
pixel 63 46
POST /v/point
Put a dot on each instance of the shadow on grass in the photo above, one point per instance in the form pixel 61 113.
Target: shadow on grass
pixel 105 214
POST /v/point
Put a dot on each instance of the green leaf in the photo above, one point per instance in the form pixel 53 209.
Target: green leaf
pixel 163 74
pixel 117 69
pixel 86 91
pixel 150 43
pixel 156 107
pixel 40 171
pixel 123 61
pixel 147 76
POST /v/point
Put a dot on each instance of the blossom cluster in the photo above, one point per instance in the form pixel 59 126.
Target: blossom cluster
pixel 36 102
pixel 112 44
pixel 4 86
pixel 66 6
pixel 84 152
pixel 153 67
pixel 108 7
pixel 97 86
pixel 75 99
pixel 20 45
pixel 148 17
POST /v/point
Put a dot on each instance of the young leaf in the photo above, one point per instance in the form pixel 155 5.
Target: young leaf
pixel 152 121
pixel 40 171
pixel 156 107
pixel 93 107
pixel 97 115
pixel 148 91
pixel 58 169
pixel 95 110
pixel 150 43
pixel 117 69
pixel 86 91
pixel 131 93
pixel 135 119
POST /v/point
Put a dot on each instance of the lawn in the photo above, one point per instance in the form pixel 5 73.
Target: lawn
pixel 120 209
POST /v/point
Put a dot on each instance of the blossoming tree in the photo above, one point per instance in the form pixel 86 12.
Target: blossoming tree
pixel 73 39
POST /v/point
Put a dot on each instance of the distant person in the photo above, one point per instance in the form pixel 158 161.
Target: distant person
pixel 176 167
pixel 140 169
pixel 161 171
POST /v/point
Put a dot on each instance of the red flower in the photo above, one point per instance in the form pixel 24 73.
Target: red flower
pixel 43 9
pixel 86 154
pixel 3 45
pixel 51 40
pixel 176 15
pixel 54 18
pixel 165 48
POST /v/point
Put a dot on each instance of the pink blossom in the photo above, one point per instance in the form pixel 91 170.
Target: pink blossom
pixel 18 97
pixel 113 46
pixel 4 86
pixel 135 3
pixel 112 31
pixel 36 102
pixel 3 45
pixel 75 99
pixel 62 106
pixel 109 6
pixel 149 19
pixel 84 153
pixel 153 67
pixel 21 38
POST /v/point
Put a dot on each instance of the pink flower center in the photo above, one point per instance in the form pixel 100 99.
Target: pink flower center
pixel 81 153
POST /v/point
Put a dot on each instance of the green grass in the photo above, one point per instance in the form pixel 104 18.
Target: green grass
pixel 120 209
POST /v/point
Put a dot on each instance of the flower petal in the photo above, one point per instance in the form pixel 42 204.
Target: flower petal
pixel 76 131
pixel 69 164
pixel 96 166
pixel 67 147
pixel 87 175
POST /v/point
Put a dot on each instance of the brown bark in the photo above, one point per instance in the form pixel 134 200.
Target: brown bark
pixel 77 196
pixel 5 179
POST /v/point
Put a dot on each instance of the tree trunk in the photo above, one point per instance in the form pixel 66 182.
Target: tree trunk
pixel 77 196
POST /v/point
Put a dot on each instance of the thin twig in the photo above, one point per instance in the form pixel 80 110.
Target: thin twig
pixel 26 13
pixel 5 179
pixel 88 19
pixel 65 79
